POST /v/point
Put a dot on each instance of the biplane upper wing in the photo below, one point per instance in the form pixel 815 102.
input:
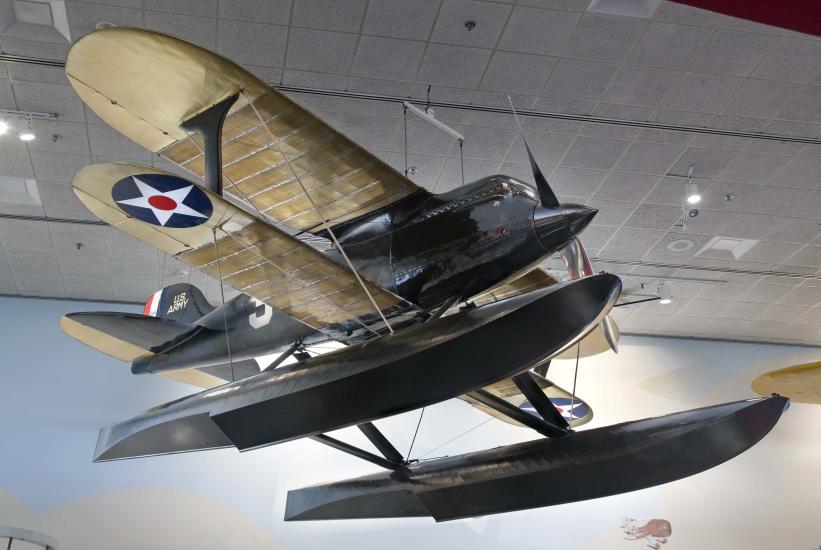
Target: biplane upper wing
pixel 146 85
pixel 208 233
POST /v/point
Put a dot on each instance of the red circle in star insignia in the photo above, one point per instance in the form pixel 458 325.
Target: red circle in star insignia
pixel 161 202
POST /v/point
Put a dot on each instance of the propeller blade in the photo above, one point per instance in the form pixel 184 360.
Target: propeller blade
pixel 546 195
pixel 611 333
pixel 576 261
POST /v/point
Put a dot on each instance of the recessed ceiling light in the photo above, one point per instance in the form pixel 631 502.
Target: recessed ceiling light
pixel 26 135
pixel 625 8
pixel 665 294
pixel 680 245
pixel 40 20
pixel 33 13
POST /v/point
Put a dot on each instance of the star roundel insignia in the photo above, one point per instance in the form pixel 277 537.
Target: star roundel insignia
pixel 161 199
pixel 578 410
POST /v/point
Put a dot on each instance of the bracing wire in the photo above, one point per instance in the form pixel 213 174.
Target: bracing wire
pixel 462 159
pixel 405 130
pixel 575 375
pixel 224 312
pixel 324 221
pixel 452 439
pixel 419 423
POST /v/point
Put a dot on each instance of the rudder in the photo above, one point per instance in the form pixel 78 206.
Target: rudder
pixel 181 302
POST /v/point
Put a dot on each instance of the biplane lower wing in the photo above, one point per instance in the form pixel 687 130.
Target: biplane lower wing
pixel 212 235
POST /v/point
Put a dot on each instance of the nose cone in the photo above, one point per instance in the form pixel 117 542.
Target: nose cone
pixel 578 216
pixel 555 227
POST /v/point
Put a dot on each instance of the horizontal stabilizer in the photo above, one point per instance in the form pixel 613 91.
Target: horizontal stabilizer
pixel 579 466
pixel 126 336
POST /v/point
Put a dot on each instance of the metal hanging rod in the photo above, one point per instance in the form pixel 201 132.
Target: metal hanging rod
pixel 8 58
pixel 28 114
pixel 546 114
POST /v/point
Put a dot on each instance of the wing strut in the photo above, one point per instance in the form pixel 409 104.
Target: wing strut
pixel 381 442
pixel 497 403
pixel 208 124
pixel 528 386
pixel 357 452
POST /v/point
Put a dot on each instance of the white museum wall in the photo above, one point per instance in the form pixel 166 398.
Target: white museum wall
pixel 56 393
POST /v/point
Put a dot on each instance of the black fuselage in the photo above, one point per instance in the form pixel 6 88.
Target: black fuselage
pixel 428 249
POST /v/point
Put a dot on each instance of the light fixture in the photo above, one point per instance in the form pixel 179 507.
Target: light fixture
pixel 665 294
pixel 27 134
pixel 4 127
pixel 693 195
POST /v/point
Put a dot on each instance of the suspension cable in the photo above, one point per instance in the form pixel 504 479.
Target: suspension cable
pixel 419 423
pixel 325 223
pixel 575 374
pixel 224 312
pixel 462 159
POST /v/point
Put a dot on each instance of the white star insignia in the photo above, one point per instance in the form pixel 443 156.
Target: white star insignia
pixel 163 215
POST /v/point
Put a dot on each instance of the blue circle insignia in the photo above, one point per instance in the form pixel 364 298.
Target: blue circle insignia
pixel 162 199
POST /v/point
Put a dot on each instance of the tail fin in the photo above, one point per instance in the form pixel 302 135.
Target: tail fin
pixel 181 302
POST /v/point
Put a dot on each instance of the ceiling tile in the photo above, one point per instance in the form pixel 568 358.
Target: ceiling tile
pixel 70 137
pixel 792 60
pixel 802 172
pixel 604 38
pixel 809 255
pixel 451 175
pixel 50 98
pixel 611 213
pixel 423 138
pixel 649 158
pixel 576 182
pixel 702 92
pixel 453 65
pixel 324 81
pixel 632 239
pixel 388 58
pixel 39 284
pixel 782 201
pixel 255 43
pixel 703 308
pixel 579 78
pixel 401 19
pixel 652 216
pixel 746 225
pixel 88 286
pixel 804 295
pixel 368 131
pixel 200 30
pixel 7 285
pixel 83 18
pixel 754 168
pixel 260 11
pixel 15 163
pixel 107 142
pixel 541 31
pixel 768 252
pixel 548 149
pixel 626 187
pixel 644 86
pixel 596 153
pixel 522 73
pixel 706 163
pixel 333 15
pixel 733 52
pixel 206 8
pixel 669 46
pixel 766 293
pixel 32 262
pixel 486 143
pixel 427 168
pixel 76 264
pixel 490 19
pixel 793 230
pixel 803 105
pixel 763 98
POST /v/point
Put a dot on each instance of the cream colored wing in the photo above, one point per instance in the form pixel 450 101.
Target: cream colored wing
pixel 801 383
pixel 146 84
